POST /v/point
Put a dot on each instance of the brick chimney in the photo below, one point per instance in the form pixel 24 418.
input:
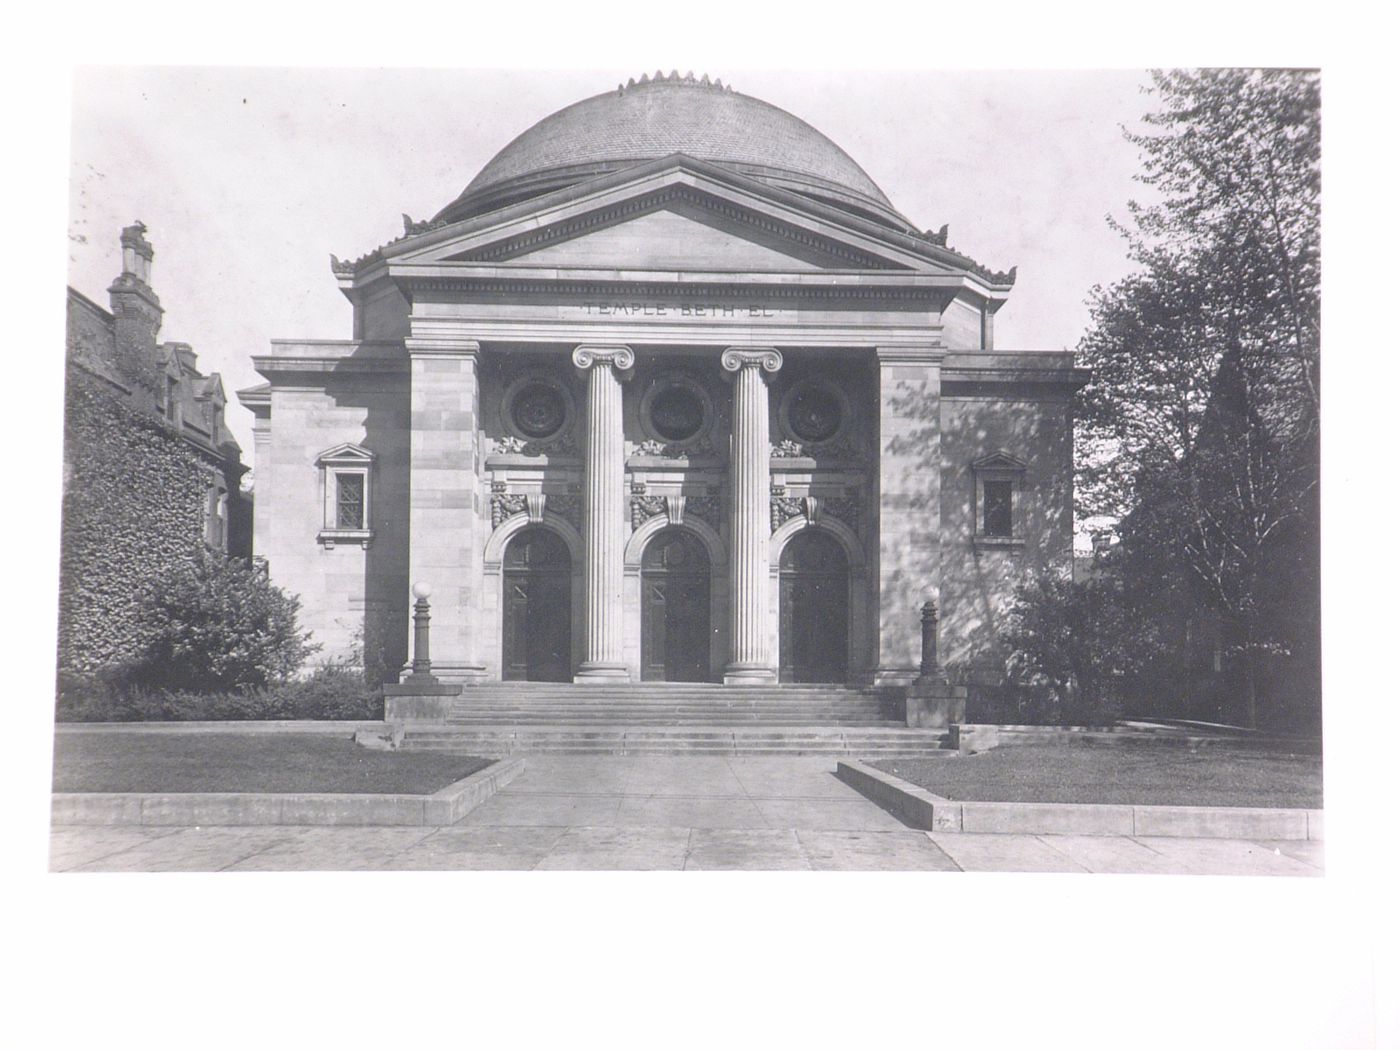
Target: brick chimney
pixel 137 311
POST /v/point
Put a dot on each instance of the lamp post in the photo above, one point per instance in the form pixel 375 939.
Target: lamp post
pixel 422 662
pixel 933 702
pixel 928 615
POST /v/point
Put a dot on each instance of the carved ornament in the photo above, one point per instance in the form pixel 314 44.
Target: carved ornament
pixel 733 359
pixel 620 357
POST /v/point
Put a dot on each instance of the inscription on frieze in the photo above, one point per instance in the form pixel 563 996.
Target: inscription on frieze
pixel 674 310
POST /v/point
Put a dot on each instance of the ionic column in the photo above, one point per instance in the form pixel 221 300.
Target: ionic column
pixel 750 656
pixel 603 513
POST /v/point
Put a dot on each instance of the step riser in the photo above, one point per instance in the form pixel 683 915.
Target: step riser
pixel 836 752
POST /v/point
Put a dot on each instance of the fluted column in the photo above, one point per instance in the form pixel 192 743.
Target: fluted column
pixel 603 513
pixel 750 652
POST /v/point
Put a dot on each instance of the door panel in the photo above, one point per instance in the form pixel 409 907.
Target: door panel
pixel 813 611
pixel 536 629
pixel 675 609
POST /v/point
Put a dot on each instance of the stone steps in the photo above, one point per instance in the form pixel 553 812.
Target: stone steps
pixel 613 717
pixel 659 740
pixel 668 718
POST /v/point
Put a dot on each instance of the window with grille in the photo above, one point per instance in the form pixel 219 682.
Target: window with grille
pixel 999 511
pixel 346 472
pixel 996 509
pixel 350 501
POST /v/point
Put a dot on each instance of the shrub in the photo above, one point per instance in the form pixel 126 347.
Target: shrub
pixel 217 624
pixel 1062 639
pixel 331 693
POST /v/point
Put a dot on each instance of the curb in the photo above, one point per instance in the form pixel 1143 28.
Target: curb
pixel 289 725
pixel 930 812
pixel 443 807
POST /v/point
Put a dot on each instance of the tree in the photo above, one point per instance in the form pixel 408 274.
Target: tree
pixel 219 624
pixel 1199 430
pixel 1065 652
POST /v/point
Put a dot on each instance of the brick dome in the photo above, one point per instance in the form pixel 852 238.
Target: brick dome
pixel 658 117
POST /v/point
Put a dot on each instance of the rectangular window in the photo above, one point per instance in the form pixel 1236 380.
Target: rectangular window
pixel 996 508
pixel 350 501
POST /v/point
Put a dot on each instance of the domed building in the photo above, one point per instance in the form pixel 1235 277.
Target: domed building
pixel 671 392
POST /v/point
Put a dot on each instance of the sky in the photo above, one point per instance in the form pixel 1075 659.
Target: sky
pixel 249 179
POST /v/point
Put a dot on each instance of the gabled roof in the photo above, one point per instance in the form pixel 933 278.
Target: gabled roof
pixel 864 244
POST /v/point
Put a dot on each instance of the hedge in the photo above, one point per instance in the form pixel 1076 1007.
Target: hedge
pixel 331 693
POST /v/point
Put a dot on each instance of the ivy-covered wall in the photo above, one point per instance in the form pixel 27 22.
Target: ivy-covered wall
pixel 133 505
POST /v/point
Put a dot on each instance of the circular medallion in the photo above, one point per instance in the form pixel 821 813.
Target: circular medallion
pixel 538 410
pixel 814 413
pixel 677 413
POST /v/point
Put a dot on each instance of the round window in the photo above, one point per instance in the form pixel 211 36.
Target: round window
pixel 814 414
pixel 538 410
pixel 677 413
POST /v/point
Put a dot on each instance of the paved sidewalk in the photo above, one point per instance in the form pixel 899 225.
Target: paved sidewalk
pixel 664 813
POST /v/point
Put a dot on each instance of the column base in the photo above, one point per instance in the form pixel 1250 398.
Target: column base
pixel 601 674
pixel 749 674
pixel 453 672
pixel 892 676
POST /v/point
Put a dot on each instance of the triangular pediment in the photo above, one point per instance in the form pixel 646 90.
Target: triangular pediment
pixel 999 461
pixel 676 217
pixel 676 235
pixel 347 454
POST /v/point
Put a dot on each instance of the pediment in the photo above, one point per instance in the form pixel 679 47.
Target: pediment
pixel 677 231
pixel 346 454
pixel 672 219
pixel 677 235
pixel 1003 461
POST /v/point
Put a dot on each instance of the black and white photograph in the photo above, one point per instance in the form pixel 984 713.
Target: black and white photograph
pixel 667 498
pixel 909 475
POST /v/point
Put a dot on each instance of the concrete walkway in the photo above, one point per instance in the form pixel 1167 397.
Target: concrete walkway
pixel 665 813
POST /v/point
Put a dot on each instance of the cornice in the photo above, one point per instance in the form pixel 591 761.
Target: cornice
pixel 817 287
pixel 287 366
pixel 536 212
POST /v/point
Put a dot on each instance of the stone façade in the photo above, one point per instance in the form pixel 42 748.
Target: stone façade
pixel 675 259
pixel 151 473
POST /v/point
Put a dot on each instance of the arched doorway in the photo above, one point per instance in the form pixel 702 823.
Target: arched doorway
pixel 675 608
pixel 536 632
pixel 814 619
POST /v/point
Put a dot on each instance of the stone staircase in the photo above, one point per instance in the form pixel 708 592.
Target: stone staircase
pixel 673 718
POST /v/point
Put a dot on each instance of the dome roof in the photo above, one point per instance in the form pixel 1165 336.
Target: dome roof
pixel 659 117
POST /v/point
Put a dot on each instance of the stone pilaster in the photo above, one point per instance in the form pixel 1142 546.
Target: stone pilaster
pixel 604 538
pixel 445 496
pixel 750 655
pixel 908 524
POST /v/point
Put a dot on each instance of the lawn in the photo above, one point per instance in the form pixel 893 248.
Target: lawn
pixel 1125 774
pixel 180 762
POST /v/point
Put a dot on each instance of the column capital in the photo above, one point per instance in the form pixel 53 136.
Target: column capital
pixel 441 346
pixel 764 357
pixel 910 355
pixel 619 357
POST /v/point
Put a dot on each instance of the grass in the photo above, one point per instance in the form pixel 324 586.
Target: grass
pixel 1123 774
pixel 179 763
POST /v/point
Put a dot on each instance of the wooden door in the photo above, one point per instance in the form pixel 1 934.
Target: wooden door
pixel 537 622
pixel 675 609
pixel 813 604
